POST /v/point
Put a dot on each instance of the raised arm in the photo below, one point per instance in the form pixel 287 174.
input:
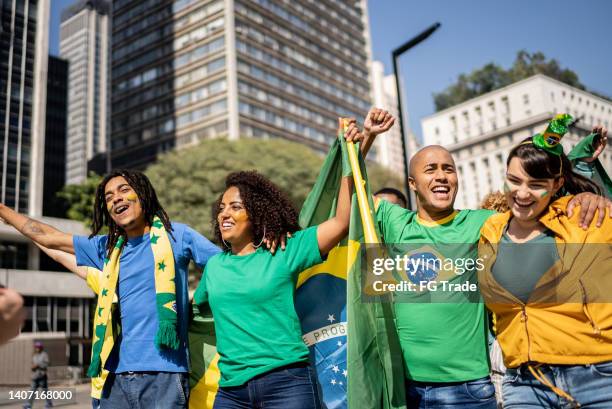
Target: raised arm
pixel 66 259
pixel 38 232
pixel 330 232
pixel 377 121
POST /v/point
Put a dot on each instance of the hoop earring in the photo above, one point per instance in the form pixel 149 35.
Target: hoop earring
pixel 262 239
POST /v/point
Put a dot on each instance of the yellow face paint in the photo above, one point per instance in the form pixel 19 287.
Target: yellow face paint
pixel 132 197
pixel 109 206
pixel 241 216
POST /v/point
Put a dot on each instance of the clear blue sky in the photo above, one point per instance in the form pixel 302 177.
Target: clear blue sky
pixel 473 33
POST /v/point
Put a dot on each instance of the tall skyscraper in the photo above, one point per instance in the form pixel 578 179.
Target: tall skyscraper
pixel 84 42
pixel 191 70
pixel 55 137
pixel 23 68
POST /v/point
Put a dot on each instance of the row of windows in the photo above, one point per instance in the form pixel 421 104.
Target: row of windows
pixel 199 52
pixel 142 8
pixel 288 87
pixel 141 42
pixel 303 42
pixel 199 73
pixel 282 104
pixel 150 56
pixel 142 24
pixel 160 90
pixel 201 93
pixel 601 107
pixel 288 69
pixel 289 50
pixel 302 25
pixel 208 132
pixel 144 134
pixel 201 113
pixel 198 15
pixel 198 34
pixel 279 121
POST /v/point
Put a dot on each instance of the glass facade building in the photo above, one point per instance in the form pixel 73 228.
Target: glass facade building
pixel 189 70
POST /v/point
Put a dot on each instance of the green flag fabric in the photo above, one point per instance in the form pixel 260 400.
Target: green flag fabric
pixel 373 357
pixel 584 149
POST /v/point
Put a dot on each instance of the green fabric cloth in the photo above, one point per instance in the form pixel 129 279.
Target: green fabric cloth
pixel 374 360
pixel 441 341
pixel 584 149
pixel 251 298
pixel 536 257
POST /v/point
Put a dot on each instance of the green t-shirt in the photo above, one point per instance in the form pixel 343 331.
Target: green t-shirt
pixel 536 257
pixel 251 298
pixel 441 342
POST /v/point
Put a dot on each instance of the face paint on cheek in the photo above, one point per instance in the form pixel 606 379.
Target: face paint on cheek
pixel 241 216
pixel 544 194
pixel 506 187
pixel 109 206
pixel 132 197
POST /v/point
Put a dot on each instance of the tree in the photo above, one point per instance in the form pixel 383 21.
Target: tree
pixel 492 77
pixel 188 181
pixel 81 198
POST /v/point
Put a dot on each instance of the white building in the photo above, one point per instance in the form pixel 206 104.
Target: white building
pixel 481 132
pixel 84 42
pixel 388 146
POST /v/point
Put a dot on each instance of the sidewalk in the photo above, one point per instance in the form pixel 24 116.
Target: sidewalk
pixel 79 400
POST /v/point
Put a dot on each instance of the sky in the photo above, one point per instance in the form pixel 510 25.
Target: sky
pixel 473 33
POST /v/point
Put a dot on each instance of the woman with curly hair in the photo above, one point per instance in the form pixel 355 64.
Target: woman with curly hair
pixel 263 359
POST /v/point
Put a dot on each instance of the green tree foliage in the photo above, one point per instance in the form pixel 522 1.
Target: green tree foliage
pixel 81 198
pixel 188 181
pixel 492 77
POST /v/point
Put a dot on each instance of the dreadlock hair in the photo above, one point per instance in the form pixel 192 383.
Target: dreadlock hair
pixel 540 164
pixel 148 201
pixel 268 208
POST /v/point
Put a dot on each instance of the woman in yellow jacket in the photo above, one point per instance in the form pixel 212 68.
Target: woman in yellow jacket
pixel 548 283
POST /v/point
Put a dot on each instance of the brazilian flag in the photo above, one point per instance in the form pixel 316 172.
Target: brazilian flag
pixel 584 149
pixel 353 345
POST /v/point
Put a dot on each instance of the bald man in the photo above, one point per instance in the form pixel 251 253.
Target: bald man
pixel 444 342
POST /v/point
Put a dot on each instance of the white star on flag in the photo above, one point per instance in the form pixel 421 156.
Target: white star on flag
pixel 335 369
pixel 331 318
pixel 333 381
pixel 340 383
pixel 344 372
pixel 339 343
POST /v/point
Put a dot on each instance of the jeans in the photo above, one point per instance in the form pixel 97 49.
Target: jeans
pixel 145 390
pixel 42 384
pixel 95 403
pixel 589 385
pixel 288 387
pixel 477 394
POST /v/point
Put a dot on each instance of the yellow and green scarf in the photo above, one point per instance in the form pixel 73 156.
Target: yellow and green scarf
pixel 165 294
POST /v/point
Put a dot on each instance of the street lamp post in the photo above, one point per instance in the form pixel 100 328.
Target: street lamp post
pixel 396 54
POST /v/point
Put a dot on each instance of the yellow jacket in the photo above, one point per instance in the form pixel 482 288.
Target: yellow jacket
pixel 568 317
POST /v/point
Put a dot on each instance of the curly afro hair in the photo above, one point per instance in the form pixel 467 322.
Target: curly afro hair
pixel 268 208
pixel 495 201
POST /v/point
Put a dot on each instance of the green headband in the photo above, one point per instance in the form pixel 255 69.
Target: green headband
pixel 550 140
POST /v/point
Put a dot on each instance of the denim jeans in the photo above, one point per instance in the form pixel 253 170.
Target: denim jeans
pixel 589 385
pixel 477 394
pixel 40 382
pixel 288 387
pixel 145 390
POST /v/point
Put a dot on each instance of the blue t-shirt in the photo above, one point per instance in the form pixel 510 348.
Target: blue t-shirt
pixel 135 348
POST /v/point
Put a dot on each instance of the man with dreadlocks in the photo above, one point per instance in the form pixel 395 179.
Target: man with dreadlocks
pixel 143 287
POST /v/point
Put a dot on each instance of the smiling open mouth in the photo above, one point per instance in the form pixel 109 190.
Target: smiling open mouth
pixel 121 209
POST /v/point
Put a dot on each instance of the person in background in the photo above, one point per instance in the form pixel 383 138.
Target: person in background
pixel 40 363
pixel 496 201
pixel 392 195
